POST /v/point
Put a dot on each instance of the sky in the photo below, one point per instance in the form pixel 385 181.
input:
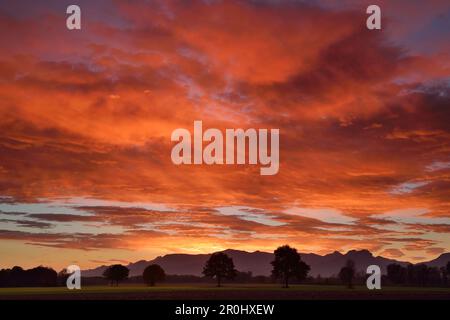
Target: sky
pixel 86 117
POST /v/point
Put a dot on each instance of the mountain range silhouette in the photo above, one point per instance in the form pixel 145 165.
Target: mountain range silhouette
pixel 258 263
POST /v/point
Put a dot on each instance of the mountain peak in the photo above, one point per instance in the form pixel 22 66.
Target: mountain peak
pixel 444 255
pixel 258 262
pixel 360 253
pixel 231 251
pixel 334 254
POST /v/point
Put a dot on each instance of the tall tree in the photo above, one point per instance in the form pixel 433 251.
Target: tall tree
pixel 220 266
pixel 347 273
pixel 422 272
pixel 396 273
pixel 444 274
pixel 116 273
pixel 411 277
pixel 288 264
pixel 42 276
pixel 152 274
pixel 63 275
pixel 447 270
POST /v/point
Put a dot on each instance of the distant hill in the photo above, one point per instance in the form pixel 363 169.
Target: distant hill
pixel 439 261
pixel 331 264
pixel 259 263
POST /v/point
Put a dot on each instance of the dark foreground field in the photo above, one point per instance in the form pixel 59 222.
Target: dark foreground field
pixel 230 292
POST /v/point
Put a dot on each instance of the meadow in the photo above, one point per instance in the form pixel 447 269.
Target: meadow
pixel 232 292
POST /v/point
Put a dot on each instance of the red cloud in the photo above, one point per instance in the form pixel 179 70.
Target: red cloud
pixel 359 114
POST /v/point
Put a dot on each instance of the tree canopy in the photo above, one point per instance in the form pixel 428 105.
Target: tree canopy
pixel 153 273
pixel 347 273
pixel 116 273
pixel 288 264
pixel 220 266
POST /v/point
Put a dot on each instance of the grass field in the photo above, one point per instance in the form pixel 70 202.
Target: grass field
pixel 235 291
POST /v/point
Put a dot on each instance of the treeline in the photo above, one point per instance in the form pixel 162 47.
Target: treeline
pixel 287 268
pixel 241 277
pixel 418 275
pixel 35 277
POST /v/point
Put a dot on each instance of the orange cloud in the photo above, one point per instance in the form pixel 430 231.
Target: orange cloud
pixel 89 115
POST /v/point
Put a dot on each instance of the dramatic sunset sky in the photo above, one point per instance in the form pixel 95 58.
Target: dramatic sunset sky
pixel 86 117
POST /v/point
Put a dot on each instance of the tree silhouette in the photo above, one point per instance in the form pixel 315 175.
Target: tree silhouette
pixel 423 275
pixel 116 273
pixel 396 273
pixel 220 266
pixel 288 264
pixel 152 274
pixel 447 272
pixel 41 276
pixel 347 273
pixel 35 277
pixel 63 275
pixel 421 271
pixel 18 276
pixel 411 277
pixel 443 271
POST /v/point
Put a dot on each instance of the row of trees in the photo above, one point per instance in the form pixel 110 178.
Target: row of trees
pixel 287 265
pixel 411 275
pixel 421 275
pixel 36 277
pixel 116 273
